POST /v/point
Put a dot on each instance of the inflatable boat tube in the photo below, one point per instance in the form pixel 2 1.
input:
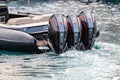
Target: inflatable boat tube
pixel 16 41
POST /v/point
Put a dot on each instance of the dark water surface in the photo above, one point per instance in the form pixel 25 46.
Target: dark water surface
pixel 100 63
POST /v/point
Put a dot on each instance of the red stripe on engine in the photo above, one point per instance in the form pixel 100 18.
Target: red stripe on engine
pixel 69 29
pixel 54 26
pixel 85 26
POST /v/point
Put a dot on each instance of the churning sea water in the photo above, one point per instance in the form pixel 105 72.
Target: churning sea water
pixel 100 63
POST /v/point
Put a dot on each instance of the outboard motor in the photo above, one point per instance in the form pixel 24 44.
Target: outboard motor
pixel 74 31
pixel 58 33
pixel 4 16
pixel 89 29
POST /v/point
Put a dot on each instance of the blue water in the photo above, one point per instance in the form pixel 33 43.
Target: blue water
pixel 100 63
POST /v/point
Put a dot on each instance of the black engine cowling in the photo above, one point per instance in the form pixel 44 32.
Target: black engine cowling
pixel 89 28
pixel 58 32
pixel 74 31
pixel 4 16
